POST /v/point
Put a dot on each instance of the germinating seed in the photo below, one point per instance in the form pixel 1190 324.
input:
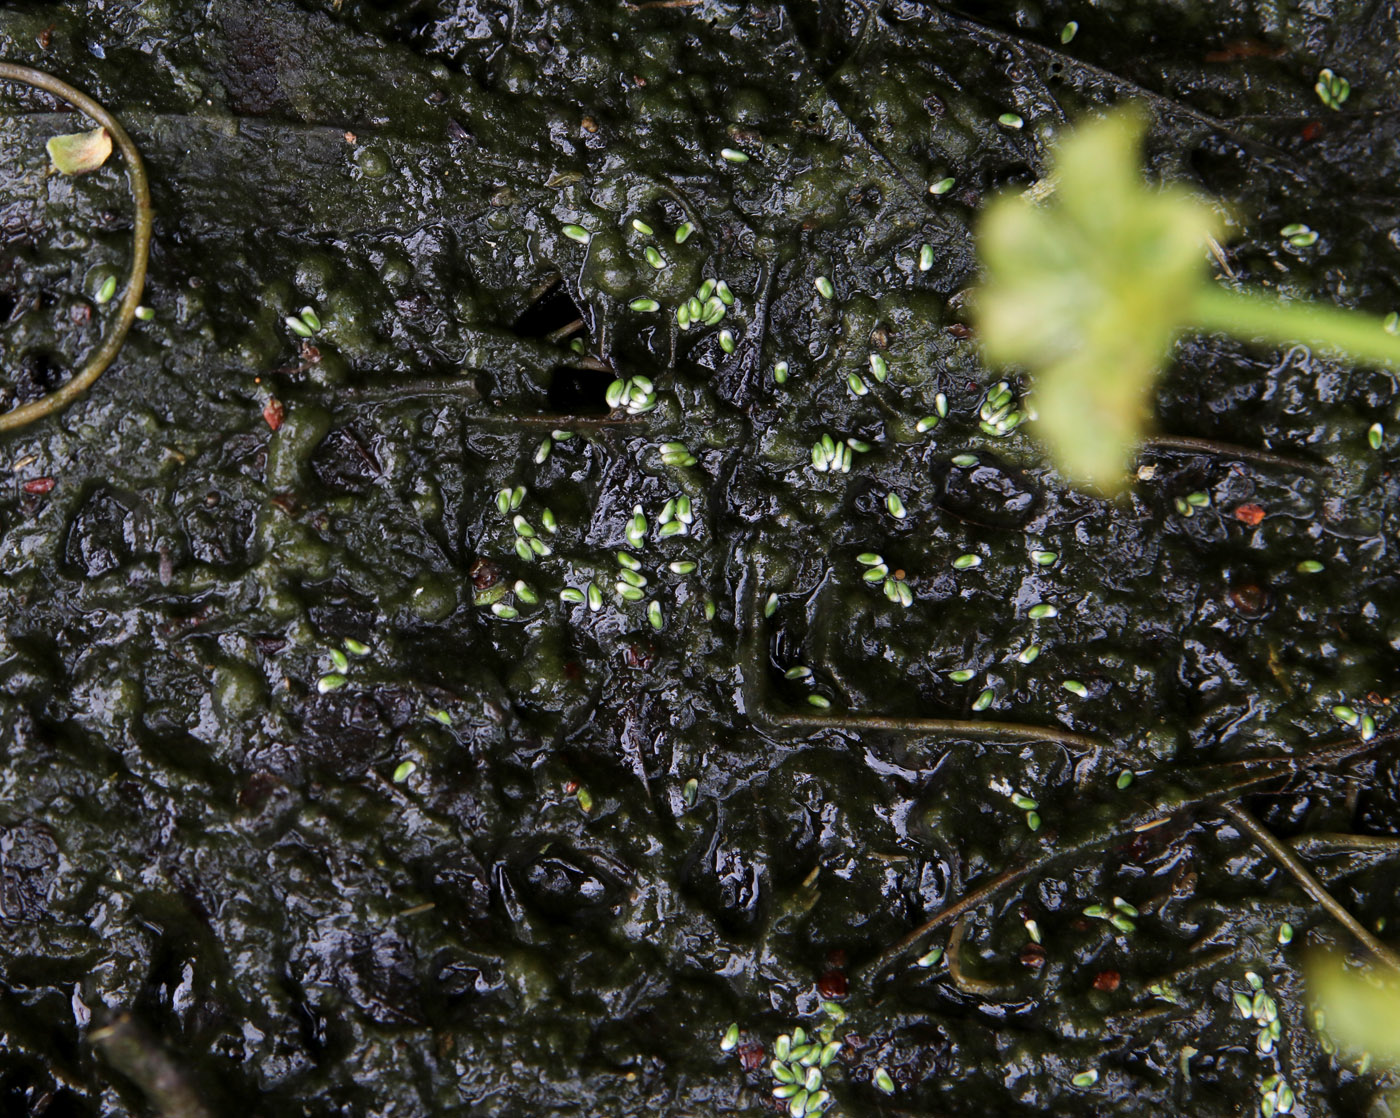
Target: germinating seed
pixel 962 675
pixel 857 385
pixel 1044 558
pixel 1125 778
pixel 106 291
pixel 542 452
pixel 1086 1078
pixel 572 596
pixel 355 648
pixel 547 520
pixel 503 502
pixel 799 672
pixel 1309 567
pixel 965 562
pixel 645 304
pixel 942 186
pixel 595 598
pixel 859 445
pixel 896 506
pixel 654 258
pixel 339 660
pixel 1024 802
pixel 1033 820
pixel 298 327
pixel 984 700
pixel 927 424
pixel 824 287
pixel 1074 687
pixel 930 959
pixel 1010 120
pixel 628 593
pixel 725 295
pixel 328 683
pixel 726 341
pixel 940 405
pixel 654 615
pixel 770 606
pixel 577 233
pixel 505 612
pixel 732 155
pixel 1345 714
pixel 1069 31
pixel 730 1039
pixel 524 550
pixel 878 367
pixel 683 231
pixel 404 770
pixel 1028 654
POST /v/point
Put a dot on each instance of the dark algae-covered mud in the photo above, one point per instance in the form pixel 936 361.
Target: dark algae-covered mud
pixel 437 682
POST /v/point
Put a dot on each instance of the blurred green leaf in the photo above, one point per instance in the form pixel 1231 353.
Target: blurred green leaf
pixel 1088 289
pixel 1361 1008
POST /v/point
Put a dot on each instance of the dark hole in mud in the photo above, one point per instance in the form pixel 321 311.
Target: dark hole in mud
pixel 578 391
pixel 548 313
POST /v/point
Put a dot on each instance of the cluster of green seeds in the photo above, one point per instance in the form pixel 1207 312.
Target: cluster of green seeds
pixel 637 395
pixel 877 571
pixel 1121 915
pixel 833 456
pixel 1257 1005
pixel 997 417
pixel 707 307
pixel 676 454
pixel 336 678
pixel 1331 89
pixel 1362 722
pixel 1299 235
pixel 1187 506
pixel 304 324
pixel 798 1072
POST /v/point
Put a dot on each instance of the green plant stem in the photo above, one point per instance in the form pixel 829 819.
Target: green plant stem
pixel 1247 315
pixel 140 248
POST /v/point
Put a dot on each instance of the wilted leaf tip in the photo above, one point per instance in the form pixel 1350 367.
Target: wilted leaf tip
pixel 77 153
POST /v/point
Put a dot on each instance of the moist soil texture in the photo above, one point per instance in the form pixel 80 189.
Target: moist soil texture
pixel 624 605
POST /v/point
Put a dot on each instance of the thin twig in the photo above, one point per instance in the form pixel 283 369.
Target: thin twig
pixel 1285 857
pixel 61 397
pixel 1228 450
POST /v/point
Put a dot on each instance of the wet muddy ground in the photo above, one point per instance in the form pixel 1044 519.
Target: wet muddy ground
pixel 391 726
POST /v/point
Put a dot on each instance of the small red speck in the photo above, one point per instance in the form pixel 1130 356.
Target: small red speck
pixel 1107 980
pixel 836 957
pixel 39 485
pixel 832 984
pixel 1249 514
pixel 1033 956
pixel 274 412
pixel 1312 130
pixel 570 787
pixel 751 1056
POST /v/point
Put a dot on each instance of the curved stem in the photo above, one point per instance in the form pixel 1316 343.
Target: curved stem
pixel 1251 315
pixel 1310 885
pixel 140 248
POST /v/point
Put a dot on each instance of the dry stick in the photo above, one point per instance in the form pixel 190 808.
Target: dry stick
pixel 140 248
pixel 1011 876
pixel 1228 450
pixel 1310 885
pixel 950 727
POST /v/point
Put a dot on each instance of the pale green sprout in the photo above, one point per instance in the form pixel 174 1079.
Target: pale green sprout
pixel 1090 287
